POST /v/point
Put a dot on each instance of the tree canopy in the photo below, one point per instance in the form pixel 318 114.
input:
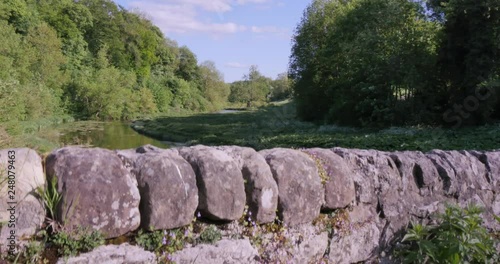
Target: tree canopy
pixel 95 59
pixel 391 62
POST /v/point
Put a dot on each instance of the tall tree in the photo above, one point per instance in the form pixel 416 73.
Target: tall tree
pixel 213 87
pixel 306 69
pixel 188 65
pixel 352 65
pixel 281 87
pixel 469 54
pixel 254 88
pixel 47 58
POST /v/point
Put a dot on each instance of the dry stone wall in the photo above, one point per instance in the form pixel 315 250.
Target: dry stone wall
pixel 117 192
pixel 21 213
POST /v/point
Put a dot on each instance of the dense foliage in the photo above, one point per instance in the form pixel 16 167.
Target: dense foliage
pixel 255 88
pixel 94 59
pixel 459 237
pixel 386 62
pixel 80 240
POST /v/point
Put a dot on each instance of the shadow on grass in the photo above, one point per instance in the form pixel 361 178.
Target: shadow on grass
pixel 276 126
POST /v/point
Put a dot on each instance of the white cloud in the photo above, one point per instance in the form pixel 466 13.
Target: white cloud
pixel 185 16
pixel 182 18
pixel 279 32
pixel 212 6
pixel 268 29
pixel 242 2
pixel 219 6
pixel 236 65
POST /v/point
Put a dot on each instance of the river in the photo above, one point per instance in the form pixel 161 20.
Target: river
pixel 110 135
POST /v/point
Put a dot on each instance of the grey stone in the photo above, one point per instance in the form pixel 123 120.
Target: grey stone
pixel 378 182
pixel 220 183
pixel 311 248
pixel 358 246
pixel 462 173
pixel 491 160
pixel 260 187
pixel 113 254
pixel 339 186
pixel 29 211
pixel 496 205
pixel 167 184
pixel 97 190
pixel 418 173
pixel 364 184
pixel 422 187
pixel 466 180
pixel 223 252
pixel 301 193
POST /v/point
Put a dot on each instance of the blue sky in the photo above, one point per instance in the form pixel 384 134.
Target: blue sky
pixel 235 34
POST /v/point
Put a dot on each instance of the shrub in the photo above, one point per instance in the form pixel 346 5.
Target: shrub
pixel 77 241
pixel 33 252
pixel 151 241
pixel 210 235
pixel 162 241
pixel 458 238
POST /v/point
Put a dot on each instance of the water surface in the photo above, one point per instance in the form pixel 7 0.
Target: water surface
pixel 110 135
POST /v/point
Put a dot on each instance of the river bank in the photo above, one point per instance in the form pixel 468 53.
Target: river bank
pixel 265 127
pixel 48 136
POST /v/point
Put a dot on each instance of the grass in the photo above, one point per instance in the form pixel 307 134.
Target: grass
pixel 50 197
pixel 266 127
pixel 276 126
pixel 36 134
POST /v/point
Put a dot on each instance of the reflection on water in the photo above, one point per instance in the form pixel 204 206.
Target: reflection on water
pixel 231 110
pixel 110 135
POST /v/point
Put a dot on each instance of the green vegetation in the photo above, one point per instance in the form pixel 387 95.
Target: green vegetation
pixel 393 62
pixel 412 66
pixel 44 135
pixel 37 134
pixel 165 242
pixel 275 126
pixel 93 59
pixel 458 238
pixel 257 89
pixel 269 238
pixel 50 197
pixel 33 252
pixel 151 241
pixel 76 241
pixel 210 235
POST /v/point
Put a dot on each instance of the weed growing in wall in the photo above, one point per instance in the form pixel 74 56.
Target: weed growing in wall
pixel 210 235
pixel 50 197
pixel 323 172
pixel 336 223
pixel 71 243
pixel 272 240
pixel 459 237
pixel 165 242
